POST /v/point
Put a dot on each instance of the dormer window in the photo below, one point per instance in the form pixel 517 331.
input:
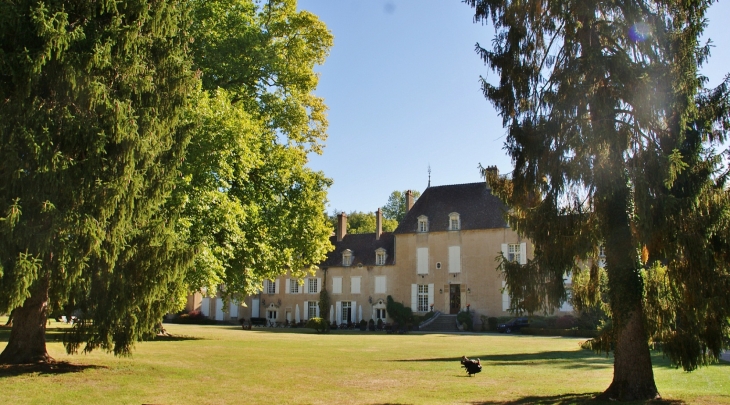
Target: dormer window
pixel 347 258
pixel 454 221
pixel 380 257
pixel 423 223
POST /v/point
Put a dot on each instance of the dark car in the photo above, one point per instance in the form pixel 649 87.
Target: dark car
pixel 513 325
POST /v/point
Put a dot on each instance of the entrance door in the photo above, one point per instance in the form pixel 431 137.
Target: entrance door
pixel 455 299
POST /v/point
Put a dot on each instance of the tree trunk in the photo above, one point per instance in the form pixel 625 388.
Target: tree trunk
pixel 27 343
pixel 633 377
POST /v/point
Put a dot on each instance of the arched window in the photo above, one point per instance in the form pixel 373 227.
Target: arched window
pixel 454 221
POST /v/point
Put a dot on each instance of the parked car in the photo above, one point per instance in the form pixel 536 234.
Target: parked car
pixel 513 325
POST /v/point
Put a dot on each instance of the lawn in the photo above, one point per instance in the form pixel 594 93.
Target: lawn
pixel 226 365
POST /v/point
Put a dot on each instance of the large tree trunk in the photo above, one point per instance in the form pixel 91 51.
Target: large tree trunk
pixel 633 377
pixel 27 343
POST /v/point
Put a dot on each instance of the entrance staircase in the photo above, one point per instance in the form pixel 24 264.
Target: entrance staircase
pixel 441 323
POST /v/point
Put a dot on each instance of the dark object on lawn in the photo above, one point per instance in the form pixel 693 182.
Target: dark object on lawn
pixel 513 325
pixel 472 366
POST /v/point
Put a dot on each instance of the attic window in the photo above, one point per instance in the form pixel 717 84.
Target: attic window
pixel 347 258
pixel 380 257
pixel 454 221
pixel 423 223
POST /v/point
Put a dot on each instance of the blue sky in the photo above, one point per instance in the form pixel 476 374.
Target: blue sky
pixel 402 87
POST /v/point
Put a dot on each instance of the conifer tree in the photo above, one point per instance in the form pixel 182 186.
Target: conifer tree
pixel 91 97
pixel 612 137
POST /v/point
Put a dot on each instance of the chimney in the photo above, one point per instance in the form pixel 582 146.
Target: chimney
pixel 409 200
pixel 341 230
pixel 490 172
pixel 378 224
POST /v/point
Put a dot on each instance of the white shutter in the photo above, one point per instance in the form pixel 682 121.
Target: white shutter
pixel 430 294
pixel 380 285
pixel 505 298
pixel 276 286
pixel 319 285
pixel 317 309
pixel 505 251
pixel 422 261
pixel 336 285
pixel 219 309
pixel 454 259
pixel 205 307
pixel 523 253
pixel 414 297
pixel 338 312
pixel 355 285
pixel 287 289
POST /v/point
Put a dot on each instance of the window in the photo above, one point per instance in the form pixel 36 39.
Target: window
pixel 336 285
pixel 514 253
pixel 380 285
pixel 347 315
pixel 313 285
pixel 422 261
pixel 380 257
pixel 270 286
pixel 271 314
pixel 380 313
pixel 423 223
pixel 312 309
pixel 423 298
pixel 438 265
pixel 347 258
pixel 454 221
pixel 293 287
pixel 454 259
pixel 355 285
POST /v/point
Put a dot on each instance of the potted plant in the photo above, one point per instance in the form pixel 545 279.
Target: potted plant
pixel 371 325
pixel 363 325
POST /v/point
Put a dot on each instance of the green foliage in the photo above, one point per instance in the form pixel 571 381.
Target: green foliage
pixel 320 325
pixel 398 312
pixel 363 222
pixel 324 303
pixel 92 135
pixel 613 139
pixel 395 208
pixel 252 207
pixel 493 323
pixel 466 319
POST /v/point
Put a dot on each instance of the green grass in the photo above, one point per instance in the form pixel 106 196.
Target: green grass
pixel 226 365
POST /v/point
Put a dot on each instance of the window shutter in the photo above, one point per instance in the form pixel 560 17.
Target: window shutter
pixel 430 294
pixel 317 310
pixel 523 253
pixel 505 250
pixel 306 310
pixel 414 297
pixel 505 297
pixel 276 286
pixel 454 259
pixel 319 285
pixel 338 312
pixel 422 261
pixel 287 287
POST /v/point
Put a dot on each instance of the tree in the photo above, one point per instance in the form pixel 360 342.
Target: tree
pixel 251 205
pixel 611 135
pixel 363 222
pixel 90 143
pixel 395 208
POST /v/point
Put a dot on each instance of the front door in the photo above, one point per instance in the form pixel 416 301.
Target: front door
pixel 455 299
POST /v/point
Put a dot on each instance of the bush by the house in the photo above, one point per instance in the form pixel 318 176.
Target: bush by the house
pixel 465 318
pixel 400 313
pixel 192 317
pixel 318 324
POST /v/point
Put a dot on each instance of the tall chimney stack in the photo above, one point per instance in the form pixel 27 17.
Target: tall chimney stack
pixel 490 172
pixel 378 224
pixel 341 230
pixel 409 200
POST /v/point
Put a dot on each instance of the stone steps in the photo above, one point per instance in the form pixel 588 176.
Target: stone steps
pixel 444 323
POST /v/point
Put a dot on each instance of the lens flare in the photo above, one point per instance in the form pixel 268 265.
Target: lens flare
pixel 640 32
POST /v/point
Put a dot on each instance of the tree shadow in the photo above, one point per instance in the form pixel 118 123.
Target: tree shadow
pixel 565 399
pixel 52 368
pixel 572 359
pixel 172 338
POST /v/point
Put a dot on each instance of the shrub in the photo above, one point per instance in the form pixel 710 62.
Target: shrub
pixel 485 322
pixel 380 324
pixel 465 318
pixel 399 312
pixel 493 323
pixel 318 324
pixel 565 322
pixel 371 325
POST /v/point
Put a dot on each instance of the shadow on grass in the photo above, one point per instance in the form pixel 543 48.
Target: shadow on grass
pixel 572 359
pixel 59 367
pixel 565 399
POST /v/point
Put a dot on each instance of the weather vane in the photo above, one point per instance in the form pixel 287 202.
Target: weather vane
pixel 429 175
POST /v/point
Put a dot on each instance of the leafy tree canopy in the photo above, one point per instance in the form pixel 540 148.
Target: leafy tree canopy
pixel 395 208
pixel 613 139
pixel 363 222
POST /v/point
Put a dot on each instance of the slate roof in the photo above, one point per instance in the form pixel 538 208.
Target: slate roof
pixel 477 208
pixel 363 248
